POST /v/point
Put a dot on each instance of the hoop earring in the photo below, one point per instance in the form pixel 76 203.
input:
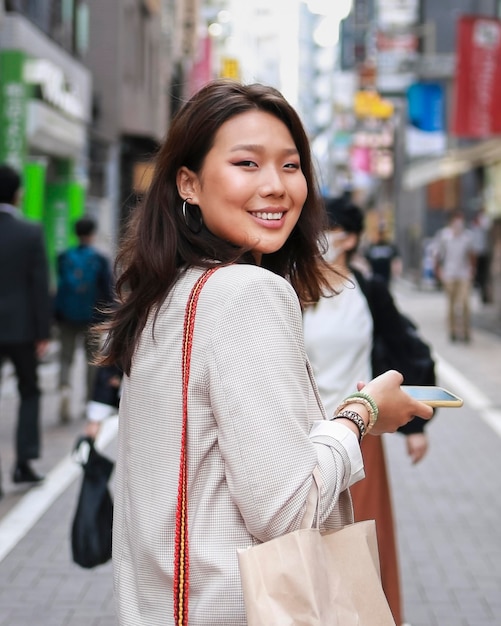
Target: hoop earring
pixel 184 211
pixel 186 218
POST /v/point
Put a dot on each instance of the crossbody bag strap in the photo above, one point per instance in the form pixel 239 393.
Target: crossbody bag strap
pixel 181 552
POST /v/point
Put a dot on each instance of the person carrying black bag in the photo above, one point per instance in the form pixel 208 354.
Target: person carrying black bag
pixel 92 522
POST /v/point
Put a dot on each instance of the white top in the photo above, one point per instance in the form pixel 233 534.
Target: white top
pixel 256 432
pixel 338 341
pixel 454 250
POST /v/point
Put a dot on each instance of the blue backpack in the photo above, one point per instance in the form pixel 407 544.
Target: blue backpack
pixel 77 289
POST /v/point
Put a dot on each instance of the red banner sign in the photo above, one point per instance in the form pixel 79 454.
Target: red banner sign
pixel 477 108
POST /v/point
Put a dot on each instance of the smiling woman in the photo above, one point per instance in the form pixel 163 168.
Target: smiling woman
pixel 251 191
pixel 233 190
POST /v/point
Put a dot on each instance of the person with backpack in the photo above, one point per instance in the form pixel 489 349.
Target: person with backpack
pixel 84 290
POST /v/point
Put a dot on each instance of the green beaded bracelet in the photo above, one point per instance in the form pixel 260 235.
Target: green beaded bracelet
pixel 375 411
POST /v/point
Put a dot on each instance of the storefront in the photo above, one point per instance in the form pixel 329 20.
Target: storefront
pixel 45 99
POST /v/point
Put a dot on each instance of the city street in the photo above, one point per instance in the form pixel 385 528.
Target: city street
pixel 447 507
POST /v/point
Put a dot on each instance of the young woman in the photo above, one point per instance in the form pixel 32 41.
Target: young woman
pixel 233 188
pixel 344 338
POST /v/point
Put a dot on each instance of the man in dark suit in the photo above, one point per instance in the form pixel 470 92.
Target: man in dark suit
pixel 24 316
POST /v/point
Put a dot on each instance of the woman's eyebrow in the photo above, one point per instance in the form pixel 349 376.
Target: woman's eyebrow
pixel 257 148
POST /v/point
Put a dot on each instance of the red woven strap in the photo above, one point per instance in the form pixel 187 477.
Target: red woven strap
pixel 181 552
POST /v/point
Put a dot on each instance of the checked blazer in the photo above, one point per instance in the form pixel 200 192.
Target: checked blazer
pixel 256 432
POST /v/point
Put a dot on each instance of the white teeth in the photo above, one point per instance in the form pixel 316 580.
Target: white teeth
pixel 269 216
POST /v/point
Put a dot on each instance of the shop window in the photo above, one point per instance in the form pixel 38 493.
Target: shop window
pixel 443 194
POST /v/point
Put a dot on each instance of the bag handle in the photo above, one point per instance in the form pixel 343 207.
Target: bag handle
pixel 181 552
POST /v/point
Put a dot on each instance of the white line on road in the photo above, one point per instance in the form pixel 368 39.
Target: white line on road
pixel 26 513
pixel 471 394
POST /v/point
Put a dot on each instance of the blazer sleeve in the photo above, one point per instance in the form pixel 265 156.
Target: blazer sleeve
pixel 265 403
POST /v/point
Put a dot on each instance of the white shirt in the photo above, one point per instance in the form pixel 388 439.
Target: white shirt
pixel 454 250
pixel 338 342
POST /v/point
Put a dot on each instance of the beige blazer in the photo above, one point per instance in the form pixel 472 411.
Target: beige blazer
pixel 252 445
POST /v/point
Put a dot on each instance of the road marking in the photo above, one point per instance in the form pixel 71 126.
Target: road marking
pixel 30 508
pixel 471 394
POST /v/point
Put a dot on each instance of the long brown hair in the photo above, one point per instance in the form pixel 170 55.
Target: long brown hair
pixel 159 243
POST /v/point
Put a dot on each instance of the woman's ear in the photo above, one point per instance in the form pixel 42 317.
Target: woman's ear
pixel 186 182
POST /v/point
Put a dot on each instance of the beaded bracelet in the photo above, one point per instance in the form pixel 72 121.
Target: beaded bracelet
pixel 374 412
pixel 354 417
pixel 368 401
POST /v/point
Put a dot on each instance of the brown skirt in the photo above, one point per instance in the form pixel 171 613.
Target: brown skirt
pixel 372 500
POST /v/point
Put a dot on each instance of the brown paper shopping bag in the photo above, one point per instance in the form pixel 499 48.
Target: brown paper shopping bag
pixel 313 578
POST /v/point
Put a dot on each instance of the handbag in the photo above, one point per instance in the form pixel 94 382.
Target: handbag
pixel 310 577
pixel 91 528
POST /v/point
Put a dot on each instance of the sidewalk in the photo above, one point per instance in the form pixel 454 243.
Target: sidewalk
pixel 39 583
pixel 447 508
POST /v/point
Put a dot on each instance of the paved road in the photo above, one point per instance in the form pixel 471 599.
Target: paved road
pixel 447 508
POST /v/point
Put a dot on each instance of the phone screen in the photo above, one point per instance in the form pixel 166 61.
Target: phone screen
pixel 435 396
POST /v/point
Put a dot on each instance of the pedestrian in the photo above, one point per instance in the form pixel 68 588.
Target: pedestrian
pixel 343 339
pixel 105 399
pixel 456 263
pixel 481 229
pixel 233 188
pixel 383 256
pixel 84 290
pixel 24 317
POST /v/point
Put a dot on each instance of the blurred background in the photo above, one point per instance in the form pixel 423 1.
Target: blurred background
pixel 402 102
pixel 398 96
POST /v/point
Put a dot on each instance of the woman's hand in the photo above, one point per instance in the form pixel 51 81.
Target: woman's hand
pixel 396 407
pixel 417 446
pixel 92 429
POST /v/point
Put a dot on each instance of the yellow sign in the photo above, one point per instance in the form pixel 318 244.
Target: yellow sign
pixel 370 104
pixel 230 68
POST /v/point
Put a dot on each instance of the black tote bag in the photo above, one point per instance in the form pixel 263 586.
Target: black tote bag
pixel 92 522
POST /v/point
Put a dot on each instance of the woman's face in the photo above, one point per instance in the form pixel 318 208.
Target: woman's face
pixel 251 188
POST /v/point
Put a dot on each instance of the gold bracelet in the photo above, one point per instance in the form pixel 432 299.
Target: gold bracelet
pixel 364 402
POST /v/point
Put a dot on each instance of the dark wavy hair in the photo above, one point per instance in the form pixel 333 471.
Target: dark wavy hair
pixel 159 244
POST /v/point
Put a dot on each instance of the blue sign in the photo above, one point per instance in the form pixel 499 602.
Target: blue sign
pixel 425 106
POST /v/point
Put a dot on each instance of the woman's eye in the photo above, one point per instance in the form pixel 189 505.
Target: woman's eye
pixel 246 163
pixel 293 166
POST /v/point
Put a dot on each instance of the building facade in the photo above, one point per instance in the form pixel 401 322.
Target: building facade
pixel 408 52
pixel 45 110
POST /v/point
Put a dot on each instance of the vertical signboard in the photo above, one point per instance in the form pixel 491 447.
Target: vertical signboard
pixel 56 221
pixel 201 72
pixel 13 106
pixel 477 96
pixel 230 68
pixel 34 173
pixel 396 44
pixel 425 130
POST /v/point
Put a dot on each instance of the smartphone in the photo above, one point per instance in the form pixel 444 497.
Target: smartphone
pixel 433 396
